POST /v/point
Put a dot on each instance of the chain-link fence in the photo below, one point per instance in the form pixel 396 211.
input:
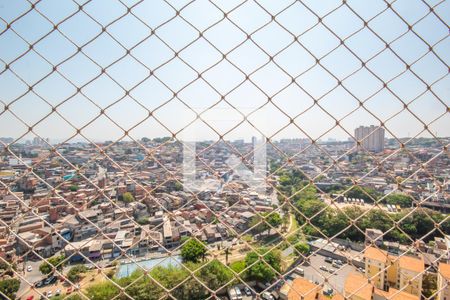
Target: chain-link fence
pixel 224 149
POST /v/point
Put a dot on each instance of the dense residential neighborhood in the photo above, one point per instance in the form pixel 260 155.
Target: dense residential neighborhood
pixel 112 205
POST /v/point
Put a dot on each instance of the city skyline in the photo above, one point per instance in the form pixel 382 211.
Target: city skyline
pixel 247 139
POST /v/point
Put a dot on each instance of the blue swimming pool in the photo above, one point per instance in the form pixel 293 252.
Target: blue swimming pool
pixel 128 268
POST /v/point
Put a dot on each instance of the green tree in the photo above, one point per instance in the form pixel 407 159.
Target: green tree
pixel 127 197
pixel 161 140
pixel 190 289
pixel 73 188
pixel 53 262
pixel 170 277
pixel 263 269
pixel 102 291
pixel 193 250
pixel 429 285
pixel 274 220
pixel 238 266
pixel 9 287
pixel 227 253
pixel 262 222
pixel 399 199
pixel 214 274
pixel 178 186
pixel 303 248
pixel 7 268
pixel 74 274
pixel 141 287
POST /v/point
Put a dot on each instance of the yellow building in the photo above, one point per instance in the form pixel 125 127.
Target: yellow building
pixel 443 282
pixel 376 262
pixel 393 294
pixel 410 274
pixel 384 271
pixel 358 287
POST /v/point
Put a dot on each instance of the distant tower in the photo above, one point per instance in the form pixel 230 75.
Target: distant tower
pixel 254 141
pixel 371 138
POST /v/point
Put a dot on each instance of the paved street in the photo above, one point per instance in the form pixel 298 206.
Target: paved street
pixel 31 277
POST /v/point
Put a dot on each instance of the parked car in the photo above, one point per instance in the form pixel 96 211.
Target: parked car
pixel 29 268
pixel 328 292
pixel 49 294
pixel 57 292
pixel 267 296
pixel 50 280
pixel 323 268
pixel 300 271
pixel 338 262
pixel 238 292
pixel 247 291
pixel 328 260
pixel 39 284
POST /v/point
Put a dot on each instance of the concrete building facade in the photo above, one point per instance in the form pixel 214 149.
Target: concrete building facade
pixel 443 282
pixel 371 138
pixel 387 271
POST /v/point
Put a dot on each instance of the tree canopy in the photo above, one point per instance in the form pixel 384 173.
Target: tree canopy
pixel 319 219
pixel 138 286
pixel 193 250
pixel 270 218
pixel 302 247
pixel 399 199
pixel 263 269
pixel 9 287
pixel 127 197
pixel 53 262
pixel 74 274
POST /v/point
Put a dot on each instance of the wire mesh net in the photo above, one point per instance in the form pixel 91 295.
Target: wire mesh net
pixel 188 150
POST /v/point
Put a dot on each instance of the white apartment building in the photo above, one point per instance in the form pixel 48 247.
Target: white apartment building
pixel 371 138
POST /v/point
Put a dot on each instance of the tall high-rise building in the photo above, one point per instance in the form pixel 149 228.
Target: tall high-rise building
pixel 370 137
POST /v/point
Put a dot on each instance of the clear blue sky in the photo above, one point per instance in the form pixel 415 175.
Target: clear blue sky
pixel 172 33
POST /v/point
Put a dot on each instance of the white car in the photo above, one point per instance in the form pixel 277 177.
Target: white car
pixel 57 292
pixel 267 296
pixel 49 294
pixel 29 268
